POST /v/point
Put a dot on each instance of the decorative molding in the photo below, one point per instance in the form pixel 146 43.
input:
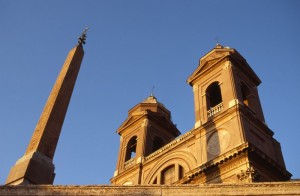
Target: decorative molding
pixel 145 123
pixel 262 188
pixel 129 163
pixel 242 175
pixel 250 174
pixel 195 87
pixel 227 65
pixel 171 144
pixel 182 157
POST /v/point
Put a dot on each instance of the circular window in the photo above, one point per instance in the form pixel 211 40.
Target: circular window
pixel 218 142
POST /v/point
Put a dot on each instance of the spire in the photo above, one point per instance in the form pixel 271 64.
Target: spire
pixel 36 166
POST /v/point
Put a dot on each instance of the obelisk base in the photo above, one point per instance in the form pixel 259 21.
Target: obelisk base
pixel 33 168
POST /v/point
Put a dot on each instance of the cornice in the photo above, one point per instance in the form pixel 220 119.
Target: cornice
pixel 262 188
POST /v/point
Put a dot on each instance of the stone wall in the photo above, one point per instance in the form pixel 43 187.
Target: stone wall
pixel 270 188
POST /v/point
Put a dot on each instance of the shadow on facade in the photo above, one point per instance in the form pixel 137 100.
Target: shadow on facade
pixel 213 150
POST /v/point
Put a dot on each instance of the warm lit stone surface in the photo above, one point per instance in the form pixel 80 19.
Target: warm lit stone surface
pixel 271 188
pixel 230 143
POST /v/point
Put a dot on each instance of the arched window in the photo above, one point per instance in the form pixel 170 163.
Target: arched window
pixel 157 144
pixel 131 148
pixel 245 94
pixel 180 172
pixel 213 95
pixel 168 175
pixel 171 174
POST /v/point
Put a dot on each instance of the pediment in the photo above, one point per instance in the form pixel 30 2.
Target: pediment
pixel 129 121
pixel 206 63
pixel 216 56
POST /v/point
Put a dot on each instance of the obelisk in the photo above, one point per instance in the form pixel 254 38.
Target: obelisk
pixel 36 166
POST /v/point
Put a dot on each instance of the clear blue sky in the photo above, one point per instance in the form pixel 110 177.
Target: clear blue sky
pixel 132 46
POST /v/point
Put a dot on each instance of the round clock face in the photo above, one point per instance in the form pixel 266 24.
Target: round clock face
pixel 218 142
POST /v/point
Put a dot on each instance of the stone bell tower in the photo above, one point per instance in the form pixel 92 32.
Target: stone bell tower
pixel 147 128
pixel 230 141
pixel 236 143
pixel 36 166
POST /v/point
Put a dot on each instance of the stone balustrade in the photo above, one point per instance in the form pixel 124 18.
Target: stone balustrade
pixel 129 163
pixel 214 110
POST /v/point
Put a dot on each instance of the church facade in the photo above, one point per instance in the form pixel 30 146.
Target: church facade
pixel 230 141
pixel 229 147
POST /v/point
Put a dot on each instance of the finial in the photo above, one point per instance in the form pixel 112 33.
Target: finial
pixel 217 40
pixel 151 98
pixel 82 38
pixel 218 45
pixel 152 94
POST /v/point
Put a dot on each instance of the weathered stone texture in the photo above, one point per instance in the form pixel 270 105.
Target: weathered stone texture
pixel 48 128
pixel 36 166
pixel 271 188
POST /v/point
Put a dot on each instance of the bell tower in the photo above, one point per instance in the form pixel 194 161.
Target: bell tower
pixel 147 128
pixel 230 119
